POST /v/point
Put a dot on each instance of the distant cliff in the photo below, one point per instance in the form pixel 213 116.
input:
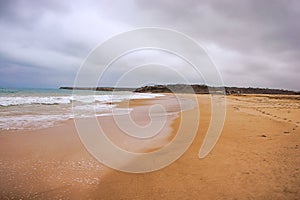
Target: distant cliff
pixel 98 88
pixel 182 88
pixel 203 89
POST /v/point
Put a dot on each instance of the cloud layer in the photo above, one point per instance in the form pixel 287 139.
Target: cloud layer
pixel 253 43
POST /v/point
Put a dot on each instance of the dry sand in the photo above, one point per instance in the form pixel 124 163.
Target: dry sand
pixel 256 157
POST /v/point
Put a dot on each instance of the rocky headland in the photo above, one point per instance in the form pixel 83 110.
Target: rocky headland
pixel 183 88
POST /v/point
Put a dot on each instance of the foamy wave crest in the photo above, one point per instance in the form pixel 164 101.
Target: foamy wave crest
pixel 14 101
pixel 33 112
pixel 54 100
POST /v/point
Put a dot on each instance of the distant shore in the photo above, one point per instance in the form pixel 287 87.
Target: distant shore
pixel 197 89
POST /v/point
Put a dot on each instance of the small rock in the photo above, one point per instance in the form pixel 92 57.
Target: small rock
pixel 263 135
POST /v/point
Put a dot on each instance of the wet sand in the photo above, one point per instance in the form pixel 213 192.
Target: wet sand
pixel 256 157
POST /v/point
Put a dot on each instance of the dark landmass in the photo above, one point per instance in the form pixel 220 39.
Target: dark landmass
pixel 98 88
pixel 178 88
pixel 198 89
pixel 203 89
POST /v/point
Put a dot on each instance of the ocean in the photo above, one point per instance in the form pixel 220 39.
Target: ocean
pixel 41 108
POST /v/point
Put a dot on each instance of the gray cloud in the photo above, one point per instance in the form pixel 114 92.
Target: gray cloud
pixel 26 14
pixel 253 43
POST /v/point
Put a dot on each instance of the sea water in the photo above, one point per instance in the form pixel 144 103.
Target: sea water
pixel 41 108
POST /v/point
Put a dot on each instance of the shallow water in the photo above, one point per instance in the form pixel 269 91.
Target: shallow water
pixel 41 108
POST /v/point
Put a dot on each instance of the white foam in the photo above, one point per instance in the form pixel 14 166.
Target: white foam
pixel 94 107
pixel 21 112
pixel 30 121
pixel 53 100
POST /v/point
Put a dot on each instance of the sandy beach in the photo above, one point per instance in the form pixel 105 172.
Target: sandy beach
pixel 256 157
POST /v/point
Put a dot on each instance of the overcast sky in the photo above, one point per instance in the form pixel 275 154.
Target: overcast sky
pixel 253 43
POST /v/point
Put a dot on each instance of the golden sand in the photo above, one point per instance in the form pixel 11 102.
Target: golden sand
pixel 256 157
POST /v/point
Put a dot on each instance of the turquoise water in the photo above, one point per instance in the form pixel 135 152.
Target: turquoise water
pixel 31 90
pixel 40 91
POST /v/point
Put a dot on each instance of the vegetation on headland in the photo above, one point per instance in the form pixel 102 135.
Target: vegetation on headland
pixel 183 88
